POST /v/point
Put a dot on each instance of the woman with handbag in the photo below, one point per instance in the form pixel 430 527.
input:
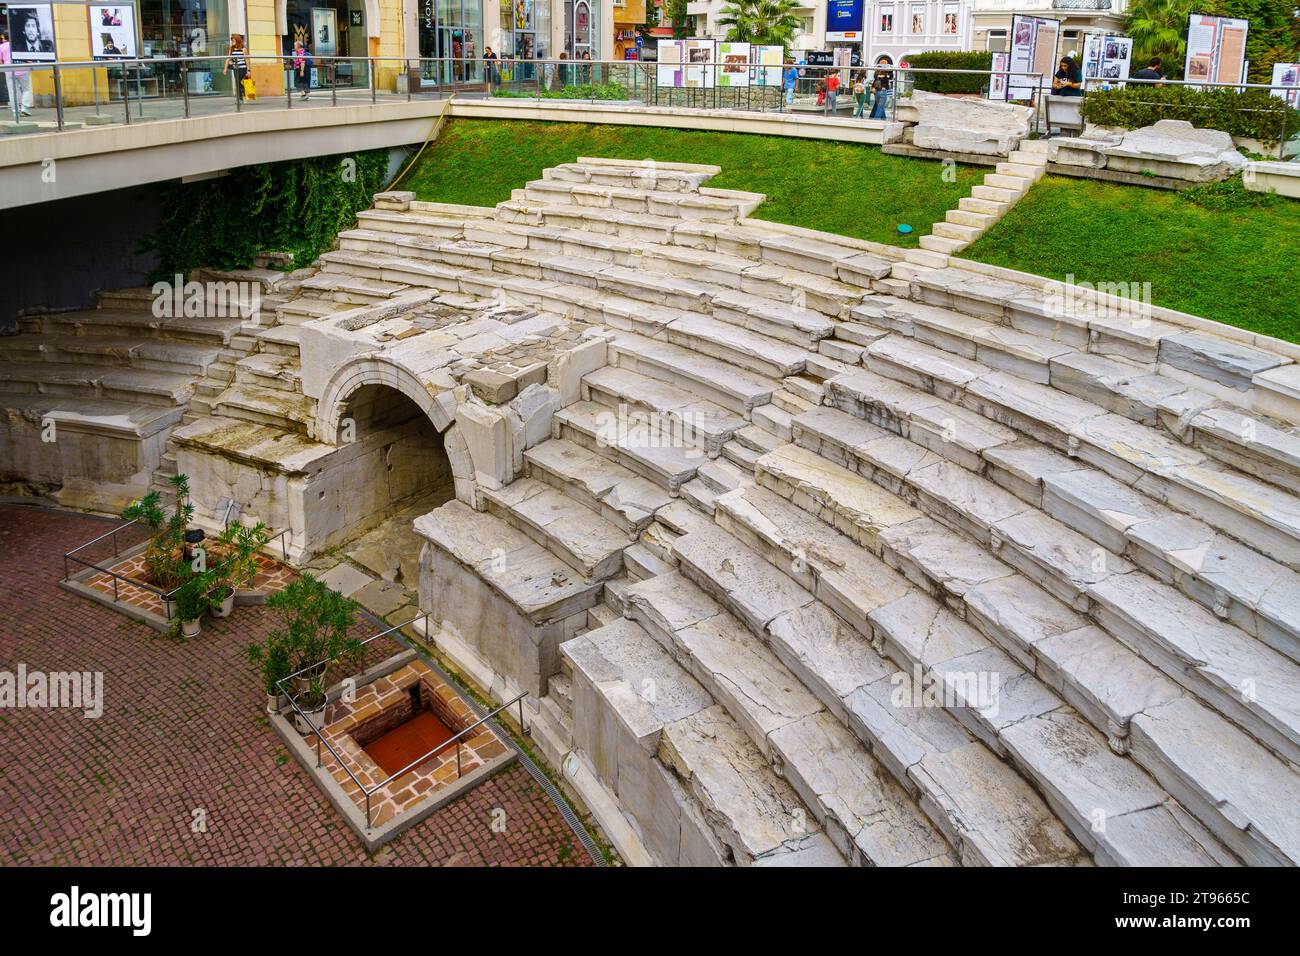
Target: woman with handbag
pixel 237 63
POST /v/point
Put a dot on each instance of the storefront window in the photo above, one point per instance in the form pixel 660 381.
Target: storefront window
pixel 581 29
pixel 452 32
pixel 525 35
pixel 336 34
pixel 184 28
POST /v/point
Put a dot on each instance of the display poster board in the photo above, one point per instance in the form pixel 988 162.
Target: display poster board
pixel 771 64
pixel 31 33
pixel 998 80
pixel 1107 59
pixel 1216 49
pixel 1287 75
pixel 112 31
pixel 671 58
pixel 1033 50
pixel 844 19
pixel 324 32
pixel 733 64
pixel 700 55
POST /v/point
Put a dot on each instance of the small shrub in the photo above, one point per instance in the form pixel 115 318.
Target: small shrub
pixel 1254 113
pixel 1228 195
pixel 950 60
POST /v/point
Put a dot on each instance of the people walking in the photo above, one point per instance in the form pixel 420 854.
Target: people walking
pixel 832 91
pixel 789 80
pixel 490 70
pixel 879 94
pixel 16 80
pixel 860 94
pixel 237 63
pixel 301 69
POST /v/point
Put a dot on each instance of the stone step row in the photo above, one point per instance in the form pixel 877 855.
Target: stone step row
pixel 618 495
pixel 698 791
pixel 1057 678
pixel 133 325
pixel 866 813
pixel 84 380
pixel 1229 578
pixel 150 354
pixel 1196 649
pixel 1243 373
pixel 1124 386
pixel 1181 477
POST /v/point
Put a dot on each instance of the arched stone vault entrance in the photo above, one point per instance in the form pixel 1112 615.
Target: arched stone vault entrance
pixel 400 454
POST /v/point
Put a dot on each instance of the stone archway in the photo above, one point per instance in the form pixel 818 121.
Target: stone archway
pixel 437 405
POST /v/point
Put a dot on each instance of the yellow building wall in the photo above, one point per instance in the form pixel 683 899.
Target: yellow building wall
pixel 72 43
pixel 264 41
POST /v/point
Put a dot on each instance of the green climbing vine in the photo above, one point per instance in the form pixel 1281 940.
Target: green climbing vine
pixel 295 206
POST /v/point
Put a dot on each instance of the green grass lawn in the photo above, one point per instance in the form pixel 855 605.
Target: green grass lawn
pixel 844 188
pixel 1226 260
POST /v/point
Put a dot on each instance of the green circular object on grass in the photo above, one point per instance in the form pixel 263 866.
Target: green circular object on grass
pixel 904 228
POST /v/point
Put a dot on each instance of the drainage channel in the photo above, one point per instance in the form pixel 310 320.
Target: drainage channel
pixel 539 776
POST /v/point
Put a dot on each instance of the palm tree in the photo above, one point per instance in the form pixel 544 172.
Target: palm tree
pixel 766 22
pixel 1159 28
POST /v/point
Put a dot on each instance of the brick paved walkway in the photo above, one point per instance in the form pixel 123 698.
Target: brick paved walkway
pixel 183 729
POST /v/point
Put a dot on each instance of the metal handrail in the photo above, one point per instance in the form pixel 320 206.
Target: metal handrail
pixel 165 597
pixel 317 731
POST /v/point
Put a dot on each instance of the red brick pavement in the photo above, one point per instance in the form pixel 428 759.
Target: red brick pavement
pixel 183 729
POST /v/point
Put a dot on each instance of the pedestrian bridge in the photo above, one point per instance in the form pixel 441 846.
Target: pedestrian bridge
pixel 59 164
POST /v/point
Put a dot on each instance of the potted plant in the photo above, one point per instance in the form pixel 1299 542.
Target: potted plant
pixel 191 600
pixel 166 563
pixel 311 703
pixel 312 622
pixel 233 560
pixel 274 658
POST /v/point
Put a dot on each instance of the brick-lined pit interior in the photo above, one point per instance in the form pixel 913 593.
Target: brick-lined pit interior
pixel 384 705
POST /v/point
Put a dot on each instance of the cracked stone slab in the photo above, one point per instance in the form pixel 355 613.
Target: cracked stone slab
pixel 916 629
pixel 1061 561
pixel 1220 360
pixel 1094 789
pixel 867 814
pixel 1243 793
pixel 1245 680
pixel 841 573
pixel 751 587
pixel 1016 614
pixel 938 559
pixel 847 501
pixel 749 808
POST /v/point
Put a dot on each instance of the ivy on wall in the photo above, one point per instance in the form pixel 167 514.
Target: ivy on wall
pixel 951 60
pixel 295 206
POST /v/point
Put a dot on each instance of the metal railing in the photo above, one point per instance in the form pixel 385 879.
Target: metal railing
pixel 187 87
pixel 319 668
pixel 165 598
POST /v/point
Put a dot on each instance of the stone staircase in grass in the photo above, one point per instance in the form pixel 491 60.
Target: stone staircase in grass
pixel 885 481
pixel 989 201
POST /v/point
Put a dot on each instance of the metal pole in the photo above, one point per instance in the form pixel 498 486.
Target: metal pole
pixel 334 86
pixel 374 83
pixel 406 69
pixel 458 757
pixel 58 95
pixel 139 89
pixel 185 85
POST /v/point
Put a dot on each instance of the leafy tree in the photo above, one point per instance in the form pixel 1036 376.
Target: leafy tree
pixel 1159 28
pixel 675 10
pixel 1274 35
pixel 767 22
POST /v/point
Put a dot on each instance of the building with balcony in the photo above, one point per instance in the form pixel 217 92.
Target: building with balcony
pixel 992 20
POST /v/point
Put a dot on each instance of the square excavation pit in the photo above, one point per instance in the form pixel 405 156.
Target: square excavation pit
pixel 401 710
